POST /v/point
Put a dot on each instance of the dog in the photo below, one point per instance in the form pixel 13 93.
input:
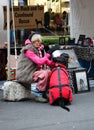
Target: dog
pixel 60 92
pixel 38 22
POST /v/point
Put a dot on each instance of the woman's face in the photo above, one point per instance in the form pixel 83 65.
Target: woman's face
pixel 37 43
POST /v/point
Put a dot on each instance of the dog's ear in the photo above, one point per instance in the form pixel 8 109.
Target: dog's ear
pixel 54 59
pixel 58 60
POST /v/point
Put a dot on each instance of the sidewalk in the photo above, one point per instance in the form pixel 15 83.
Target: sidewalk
pixel 30 115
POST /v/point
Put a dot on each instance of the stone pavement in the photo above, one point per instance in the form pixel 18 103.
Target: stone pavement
pixel 31 115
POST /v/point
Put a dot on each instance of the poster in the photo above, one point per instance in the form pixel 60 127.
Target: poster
pixel 25 17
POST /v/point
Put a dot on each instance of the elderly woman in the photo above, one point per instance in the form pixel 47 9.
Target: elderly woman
pixel 30 65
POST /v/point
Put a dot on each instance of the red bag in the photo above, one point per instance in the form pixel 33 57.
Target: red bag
pixel 59 87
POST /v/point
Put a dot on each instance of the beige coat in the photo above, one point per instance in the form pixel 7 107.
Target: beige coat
pixel 25 66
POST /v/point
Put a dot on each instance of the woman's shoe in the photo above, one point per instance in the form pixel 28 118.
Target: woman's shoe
pixel 41 99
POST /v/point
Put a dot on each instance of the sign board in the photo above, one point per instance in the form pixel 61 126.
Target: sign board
pixel 25 17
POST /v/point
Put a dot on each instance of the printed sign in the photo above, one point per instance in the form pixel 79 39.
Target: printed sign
pixel 25 17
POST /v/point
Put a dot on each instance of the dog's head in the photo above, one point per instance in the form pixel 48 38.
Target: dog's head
pixel 62 59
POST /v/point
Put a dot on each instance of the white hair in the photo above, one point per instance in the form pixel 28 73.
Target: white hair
pixel 36 37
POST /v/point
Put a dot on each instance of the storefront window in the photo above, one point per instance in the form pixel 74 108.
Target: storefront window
pixel 18 2
pixel 57 6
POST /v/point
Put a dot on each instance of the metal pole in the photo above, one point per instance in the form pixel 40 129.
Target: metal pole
pixel 8 37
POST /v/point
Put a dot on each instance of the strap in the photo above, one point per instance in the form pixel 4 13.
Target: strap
pixel 62 85
pixel 59 81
